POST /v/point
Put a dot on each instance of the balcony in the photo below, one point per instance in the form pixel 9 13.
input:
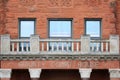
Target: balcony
pixel 43 49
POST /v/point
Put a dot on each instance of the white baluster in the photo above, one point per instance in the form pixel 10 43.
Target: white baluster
pixel 52 46
pixel 18 47
pixel 102 46
pixel 106 46
pixel 62 46
pixel 22 46
pixel 67 45
pixel 72 46
pixel 92 46
pixel 27 47
pixel 97 46
pixel 13 47
pixel 47 46
pixel 57 45
pixel 77 46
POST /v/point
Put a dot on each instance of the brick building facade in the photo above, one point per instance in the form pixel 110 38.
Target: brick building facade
pixel 34 60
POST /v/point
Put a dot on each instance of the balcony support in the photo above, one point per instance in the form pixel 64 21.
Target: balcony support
pixel 85 44
pixel 35 73
pixel 114 44
pixel 34 44
pixel 5 74
pixel 5 44
pixel 85 73
pixel 114 73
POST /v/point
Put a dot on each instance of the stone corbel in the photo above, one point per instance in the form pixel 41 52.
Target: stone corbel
pixel 85 73
pixel 35 73
pixel 5 73
pixel 114 73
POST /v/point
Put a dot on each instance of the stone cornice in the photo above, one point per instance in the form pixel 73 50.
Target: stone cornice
pixel 60 57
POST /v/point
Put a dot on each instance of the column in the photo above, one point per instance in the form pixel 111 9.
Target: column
pixel 5 74
pixel 5 44
pixel 85 73
pixel 85 44
pixel 114 44
pixel 35 73
pixel 114 74
pixel 34 44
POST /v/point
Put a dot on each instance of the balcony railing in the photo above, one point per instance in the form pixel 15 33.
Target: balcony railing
pixel 36 45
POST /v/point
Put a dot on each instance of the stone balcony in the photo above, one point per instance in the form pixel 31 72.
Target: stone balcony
pixel 36 48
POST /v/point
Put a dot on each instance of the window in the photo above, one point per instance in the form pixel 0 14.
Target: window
pixel 60 28
pixel 93 27
pixel 26 27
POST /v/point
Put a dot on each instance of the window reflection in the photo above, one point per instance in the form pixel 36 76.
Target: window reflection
pixel 93 28
pixel 60 29
pixel 26 28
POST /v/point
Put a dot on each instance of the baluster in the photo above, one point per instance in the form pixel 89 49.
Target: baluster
pixel 42 46
pixel 52 46
pixel 106 46
pixel 22 46
pixel 97 46
pixel 13 46
pixel 17 47
pixel 77 46
pixel 67 45
pixel 57 45
pixel 72 46
pixel 27 46
pixel 62 46
pixel 47 46
pixel 92 46
pixel 102 46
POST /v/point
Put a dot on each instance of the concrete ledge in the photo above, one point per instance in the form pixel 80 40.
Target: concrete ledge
pixel 60 57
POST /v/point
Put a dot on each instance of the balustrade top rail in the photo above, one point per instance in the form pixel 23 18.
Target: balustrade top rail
pixel 36 45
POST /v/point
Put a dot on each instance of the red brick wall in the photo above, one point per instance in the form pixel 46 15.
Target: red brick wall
pixel 76 9
pixel 2 16
pixel 118 17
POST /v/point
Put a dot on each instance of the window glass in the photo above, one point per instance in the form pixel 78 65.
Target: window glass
pixel 60 29
pixel 26 28
pixel 93 28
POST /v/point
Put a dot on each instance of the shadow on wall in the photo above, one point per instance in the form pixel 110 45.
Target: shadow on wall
pixel 99 75
pixel 60 75
pixel 21 74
